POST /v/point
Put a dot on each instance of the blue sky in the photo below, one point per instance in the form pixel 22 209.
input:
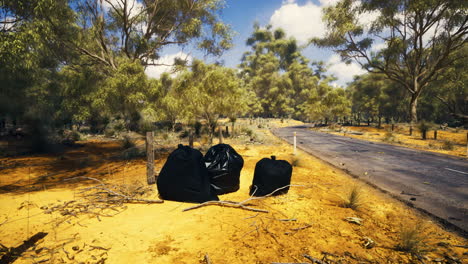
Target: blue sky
pixel 299 18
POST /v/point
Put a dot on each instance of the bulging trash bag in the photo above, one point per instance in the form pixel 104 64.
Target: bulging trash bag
pixel 184 177
pixel 224 166
pixel 270 175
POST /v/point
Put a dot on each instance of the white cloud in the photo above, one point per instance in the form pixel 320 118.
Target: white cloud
pixel 8 23
pixel 378 46
pixel 155 71
pixel 301 22
pixel 134 6
pixel 328 2
pixel 344 72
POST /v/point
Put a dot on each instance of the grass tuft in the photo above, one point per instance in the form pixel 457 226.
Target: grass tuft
pixel 448 145
pixel 354 199
pixel 296 161
pixel 389 137
pixel 413 239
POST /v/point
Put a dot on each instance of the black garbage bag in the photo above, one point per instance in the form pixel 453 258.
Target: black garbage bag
pixel 184 177
pixel 269 175
pixel 224 166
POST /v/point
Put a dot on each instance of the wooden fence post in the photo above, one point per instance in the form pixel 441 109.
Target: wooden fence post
pixel 150 158
pixel 294 152
pixel 220 130
pixel 411 130
pixel 190 139
pixel 435 134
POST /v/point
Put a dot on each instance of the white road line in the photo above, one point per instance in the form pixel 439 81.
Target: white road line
pixel 457 171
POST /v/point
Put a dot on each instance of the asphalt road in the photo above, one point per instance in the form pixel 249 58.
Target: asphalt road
pixel 435 183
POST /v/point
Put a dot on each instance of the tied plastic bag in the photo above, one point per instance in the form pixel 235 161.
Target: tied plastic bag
pixel 270 175
pixel 224 166
pixel 184 177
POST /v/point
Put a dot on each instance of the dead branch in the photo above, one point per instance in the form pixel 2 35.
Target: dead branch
pixel 207 259
pixel 290 263
pixel 314 260
pixel 102 200
pixel 120 196
pixel 242 204
pixel 297 229
pixel 226 204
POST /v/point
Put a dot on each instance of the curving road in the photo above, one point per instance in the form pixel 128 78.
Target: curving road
pixel 435 183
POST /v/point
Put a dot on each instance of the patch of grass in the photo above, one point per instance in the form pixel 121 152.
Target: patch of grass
pixel 354 199
pixel 296 161
pixel 448 145
pixel 413 239
pixel 389 137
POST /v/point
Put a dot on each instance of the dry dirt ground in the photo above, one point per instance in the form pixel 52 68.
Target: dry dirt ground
pixel 450 141
pixel 310 219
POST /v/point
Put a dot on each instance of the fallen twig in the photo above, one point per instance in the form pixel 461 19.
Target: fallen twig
pixel 297 229
pixel 242 204
pixel 314 260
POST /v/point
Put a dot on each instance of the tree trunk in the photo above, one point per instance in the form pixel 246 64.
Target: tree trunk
pixel 413 108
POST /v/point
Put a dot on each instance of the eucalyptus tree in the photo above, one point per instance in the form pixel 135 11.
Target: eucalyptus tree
pixel 209 91
pixel 418 38
pixel 275 69
pixel 139 30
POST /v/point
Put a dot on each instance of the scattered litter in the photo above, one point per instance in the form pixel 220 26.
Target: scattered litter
pixel 368 243
pixel 354 220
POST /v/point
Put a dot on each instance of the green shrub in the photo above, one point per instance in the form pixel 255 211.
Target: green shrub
pixel 115 128
pixel 146 126
pixel 127 142
pixel 197 126
pixel 184 134
pixel 424 127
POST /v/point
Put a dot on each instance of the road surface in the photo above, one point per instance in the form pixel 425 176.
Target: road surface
pixel 435 183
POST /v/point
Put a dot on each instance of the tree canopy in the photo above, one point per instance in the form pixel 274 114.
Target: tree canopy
pixel 418 39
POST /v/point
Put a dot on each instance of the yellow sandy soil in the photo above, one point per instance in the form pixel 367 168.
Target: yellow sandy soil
pixel 162 233
pixel 401 137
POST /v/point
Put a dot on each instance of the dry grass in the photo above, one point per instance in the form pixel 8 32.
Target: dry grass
pixel 400 136
pixel 413 239
pixel 354 199
pixel 307 220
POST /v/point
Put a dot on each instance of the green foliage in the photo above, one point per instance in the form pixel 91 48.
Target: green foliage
pixel 138 32
pixel 209 91
pixel 115 128
pixel 424 127
pixel 127 142
pixel 413 57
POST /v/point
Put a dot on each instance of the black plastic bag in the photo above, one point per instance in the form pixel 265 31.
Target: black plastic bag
pixel 270 175
pixel 184 177
pixel 224 166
